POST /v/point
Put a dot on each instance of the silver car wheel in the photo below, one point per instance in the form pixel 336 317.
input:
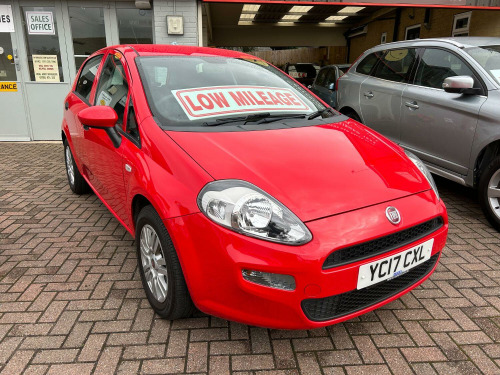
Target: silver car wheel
pixel 69 166
pixel 494 193
pixel 153 263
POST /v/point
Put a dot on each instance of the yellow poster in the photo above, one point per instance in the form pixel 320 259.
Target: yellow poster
pixel 8 86
pixel 46 68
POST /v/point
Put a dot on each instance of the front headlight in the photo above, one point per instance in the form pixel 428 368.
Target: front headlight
pixel 420 165
pixel 244 208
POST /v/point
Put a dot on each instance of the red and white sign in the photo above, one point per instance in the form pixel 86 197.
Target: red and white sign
pixel 205 102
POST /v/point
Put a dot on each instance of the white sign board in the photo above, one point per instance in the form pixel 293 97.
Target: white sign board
pixel 46 68
pixel 40 23
pixel 6 19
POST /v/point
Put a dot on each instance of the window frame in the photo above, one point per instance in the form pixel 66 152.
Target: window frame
pixel 420 52
pixel 96 78
pixel 409 28
pixel 462 30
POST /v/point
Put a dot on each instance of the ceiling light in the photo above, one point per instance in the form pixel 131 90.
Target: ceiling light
pixel 336 18
pixel 251 7
pixel 300 9
pixel 247 17
pixel 327 23
pixel 350 10
pixel 285 24
pixel 291 17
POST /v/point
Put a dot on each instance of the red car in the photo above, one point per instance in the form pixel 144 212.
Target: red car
pixel 248 197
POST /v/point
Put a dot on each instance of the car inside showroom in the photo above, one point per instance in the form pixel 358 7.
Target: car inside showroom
pixel 249 187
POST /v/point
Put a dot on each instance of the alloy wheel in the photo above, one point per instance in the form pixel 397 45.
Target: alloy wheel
pixel 494 193
pixel 69 166
pixel 153 263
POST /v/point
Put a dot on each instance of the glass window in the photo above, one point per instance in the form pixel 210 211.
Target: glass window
pixel 330 78
pixel 7 65
pixel 461 24
pixel 135 26
pixel 42 43
pixel 366 65
pixel 87 77
pixel 395 65
pixel 87 29
pixel 112 88
pixel 436 65
pixel 131 127
pixel 489 58
pixel 320 81
pixel 412 32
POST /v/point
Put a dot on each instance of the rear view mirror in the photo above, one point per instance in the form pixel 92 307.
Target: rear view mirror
pixel 101 117
pixel 98 117
pixel 460 85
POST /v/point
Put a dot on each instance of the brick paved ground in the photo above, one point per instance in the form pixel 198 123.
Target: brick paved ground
pixel 71 299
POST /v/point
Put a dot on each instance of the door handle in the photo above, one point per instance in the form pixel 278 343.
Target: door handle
pixel 412 105
pixel 369 94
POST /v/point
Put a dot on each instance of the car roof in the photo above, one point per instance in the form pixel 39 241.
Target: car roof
pixel 341 66
pixel 178 50
pixel 460 42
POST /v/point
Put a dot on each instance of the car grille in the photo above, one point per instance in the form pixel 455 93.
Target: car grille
pixel 381 245
pixel 321 309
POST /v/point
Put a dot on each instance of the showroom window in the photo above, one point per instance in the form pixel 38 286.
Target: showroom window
pixel 135 26
pixel 42 43
pixel 87 77
pixel 412 32
pixel 88 31
pixel 395 65
pixel 436 65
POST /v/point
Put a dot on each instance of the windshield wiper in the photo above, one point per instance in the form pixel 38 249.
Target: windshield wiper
pixel 321 112
pixel 258 118
pixel 272 118
pixel 222 121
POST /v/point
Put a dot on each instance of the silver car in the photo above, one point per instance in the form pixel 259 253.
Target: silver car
pixel 437 98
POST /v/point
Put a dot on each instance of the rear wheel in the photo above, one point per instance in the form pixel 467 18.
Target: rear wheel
pixel 489 192
pixel 75 180
pixel 353 115
pixel 161 273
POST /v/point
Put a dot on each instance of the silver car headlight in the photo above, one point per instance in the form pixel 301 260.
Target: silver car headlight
pixel 420 165
pixel 244 208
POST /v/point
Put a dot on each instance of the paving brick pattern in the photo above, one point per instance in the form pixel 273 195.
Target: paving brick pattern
pixel 71 300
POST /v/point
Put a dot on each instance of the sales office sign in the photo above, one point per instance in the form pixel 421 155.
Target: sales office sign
pixel 40 23
pixel 6 19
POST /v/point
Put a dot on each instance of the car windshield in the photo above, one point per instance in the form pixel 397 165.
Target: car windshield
pixel 187 91
pixel 489 58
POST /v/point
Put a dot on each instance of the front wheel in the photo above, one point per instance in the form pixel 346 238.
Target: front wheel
pixel 489 192
pixel 161 273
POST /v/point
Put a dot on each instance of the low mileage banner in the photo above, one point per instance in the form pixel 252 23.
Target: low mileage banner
pixel 205 102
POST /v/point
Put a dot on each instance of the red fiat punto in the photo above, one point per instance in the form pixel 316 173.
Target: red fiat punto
pixel 248 197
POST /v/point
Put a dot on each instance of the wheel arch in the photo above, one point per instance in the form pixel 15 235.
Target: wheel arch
pixel 484 157
pixel 346 110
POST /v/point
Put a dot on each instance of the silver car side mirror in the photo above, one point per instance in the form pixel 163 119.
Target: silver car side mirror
pixel 459 85
pixel 331 86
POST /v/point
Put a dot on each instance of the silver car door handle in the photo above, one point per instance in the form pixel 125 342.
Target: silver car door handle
pixel 368 94
pixel 412 105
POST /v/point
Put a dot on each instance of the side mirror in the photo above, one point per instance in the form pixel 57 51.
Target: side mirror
pixel 98 117
pixel 309 87
pixel 460 85
pixel 101 117
pixel 331 86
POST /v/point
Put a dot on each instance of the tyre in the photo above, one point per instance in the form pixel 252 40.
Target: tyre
pixel 75 180
pixel 489 192
pixel 161 273
pixel 354 116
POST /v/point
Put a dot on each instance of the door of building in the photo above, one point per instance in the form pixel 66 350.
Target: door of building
pixel 13 123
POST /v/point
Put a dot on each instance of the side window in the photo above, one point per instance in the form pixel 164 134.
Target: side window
pixel 366 65
pixel 87 77
pixel 112 89
pixel 131 126
pixel 331 78
pixel 437 64
pixel 320 81
pixel 395 65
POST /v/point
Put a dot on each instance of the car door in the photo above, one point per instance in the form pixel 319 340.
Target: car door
pixel 77 100
pixel 439 126
pixel 103 161
pixel 380 94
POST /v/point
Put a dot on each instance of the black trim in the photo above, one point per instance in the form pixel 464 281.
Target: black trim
pixel 328 308
pixel 135 141
pixel 383 244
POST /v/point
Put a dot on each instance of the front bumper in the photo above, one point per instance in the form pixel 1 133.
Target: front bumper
pixel 212 258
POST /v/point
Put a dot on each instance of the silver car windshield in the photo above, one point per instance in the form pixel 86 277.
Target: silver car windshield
pixel 489 58
pixel 187 91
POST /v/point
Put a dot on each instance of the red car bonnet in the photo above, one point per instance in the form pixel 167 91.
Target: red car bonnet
pixel 316 171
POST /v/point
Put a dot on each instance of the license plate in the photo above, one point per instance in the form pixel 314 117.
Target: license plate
pixel 394 265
